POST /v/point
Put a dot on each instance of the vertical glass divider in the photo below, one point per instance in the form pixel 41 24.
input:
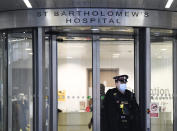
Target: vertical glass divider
pixel 96 82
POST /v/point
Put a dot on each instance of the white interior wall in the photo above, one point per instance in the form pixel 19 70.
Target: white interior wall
pixel 162 78
pixel 125 66
pixel 72 77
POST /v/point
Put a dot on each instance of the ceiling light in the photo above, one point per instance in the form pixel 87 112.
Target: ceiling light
pixel 30 53
pixel 163 49
pixel 69 57
pixel 16 40
pixel 169 2
pixel 28 49
pixel 28 4
pixel 94 29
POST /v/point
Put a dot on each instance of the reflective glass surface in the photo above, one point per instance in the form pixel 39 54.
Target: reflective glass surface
pixel 74 83
pixel 116 58
pixel 20 81
pixel 161 81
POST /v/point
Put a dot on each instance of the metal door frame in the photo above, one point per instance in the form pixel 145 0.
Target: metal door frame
pixel 141 35
pixel 39 69
pixel 96 82
pixel 53 66
pixel 144 76
pixel 144 39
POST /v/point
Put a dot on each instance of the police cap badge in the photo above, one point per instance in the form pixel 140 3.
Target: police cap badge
pixel 121 78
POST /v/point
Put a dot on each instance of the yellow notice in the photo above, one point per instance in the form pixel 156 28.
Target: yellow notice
pixel 61 95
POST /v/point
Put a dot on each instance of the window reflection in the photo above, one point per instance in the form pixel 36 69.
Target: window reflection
pixel 20 82
pixel 162 83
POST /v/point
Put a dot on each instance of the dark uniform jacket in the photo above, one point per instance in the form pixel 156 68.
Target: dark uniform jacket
pixel 121 111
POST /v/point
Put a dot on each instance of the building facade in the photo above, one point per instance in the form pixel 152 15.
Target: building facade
pixel 55 59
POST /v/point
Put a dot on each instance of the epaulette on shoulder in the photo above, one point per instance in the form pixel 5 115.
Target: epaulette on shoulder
pixel 111 91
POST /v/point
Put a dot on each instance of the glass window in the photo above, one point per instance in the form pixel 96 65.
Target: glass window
pixel 74 83
pixel 3 86
pixel 20 81
pixel 161 80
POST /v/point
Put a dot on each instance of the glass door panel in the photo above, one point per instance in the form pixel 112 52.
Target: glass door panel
pixel 161 80
pixel 20 81
pixel 116 58
pixel 74 83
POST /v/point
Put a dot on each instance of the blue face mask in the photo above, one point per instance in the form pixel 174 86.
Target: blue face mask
pixel 122 87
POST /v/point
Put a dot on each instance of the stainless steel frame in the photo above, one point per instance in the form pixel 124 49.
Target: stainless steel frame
pixel 136 64
pixel 96 82
pixel 144 76
pixel 175 84
pixel 38 75
pixel 9 89
pixel 88 17
pixel 148 77
pixel 53 83
pixel 142 79
pixel 35 36
pixel 5 82
pixel 93 17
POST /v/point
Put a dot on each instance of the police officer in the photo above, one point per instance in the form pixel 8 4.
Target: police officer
pixel 121 111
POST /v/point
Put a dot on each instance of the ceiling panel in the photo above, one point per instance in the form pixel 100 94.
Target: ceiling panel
pixel 143 4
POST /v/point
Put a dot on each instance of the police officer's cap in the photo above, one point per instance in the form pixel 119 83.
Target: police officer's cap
pixel 121 78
